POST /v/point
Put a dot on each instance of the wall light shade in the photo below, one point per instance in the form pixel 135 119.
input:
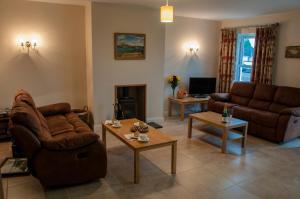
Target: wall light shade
pixel 26 43
pixel 192 47
pixel 166 14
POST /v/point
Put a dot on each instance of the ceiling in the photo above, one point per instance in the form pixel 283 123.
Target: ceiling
pixel 219 9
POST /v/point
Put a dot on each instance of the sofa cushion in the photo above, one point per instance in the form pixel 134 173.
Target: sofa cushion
pixel 58 124
pixel 70 141
pixel 265 118
pixel 223 97
pixel 288 96
pixel 55 109
pixel 244 101
pixel 259 104
pixel 243 89
pixel 242 112
pixel 277 108
pixel 24 114
pixel 24 96
pixel 78 124
pixel 264 92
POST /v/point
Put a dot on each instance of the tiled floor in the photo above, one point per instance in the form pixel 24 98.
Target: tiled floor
pixel 267 170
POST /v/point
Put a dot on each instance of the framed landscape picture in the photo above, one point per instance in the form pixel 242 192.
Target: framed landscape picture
pixel 292 52
pixel 130 46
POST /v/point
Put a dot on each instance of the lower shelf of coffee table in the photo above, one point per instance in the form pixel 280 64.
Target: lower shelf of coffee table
pixel 218 132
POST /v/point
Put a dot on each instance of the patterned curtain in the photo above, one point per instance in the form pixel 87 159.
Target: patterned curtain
pixel 264 54
pixel 227 59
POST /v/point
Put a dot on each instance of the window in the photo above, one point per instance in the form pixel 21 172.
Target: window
pixel 244 56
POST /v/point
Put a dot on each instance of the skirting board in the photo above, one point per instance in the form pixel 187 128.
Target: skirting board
pixel 97 127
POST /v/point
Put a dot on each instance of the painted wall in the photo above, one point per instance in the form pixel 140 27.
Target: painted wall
pixel 56 72
pixel 286 71
pixel 178 59
pixel 108 72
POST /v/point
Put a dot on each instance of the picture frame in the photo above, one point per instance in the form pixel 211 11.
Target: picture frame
pixel 129 46
pixel 292 52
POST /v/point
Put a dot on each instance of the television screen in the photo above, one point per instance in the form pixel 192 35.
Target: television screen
pixel 202 85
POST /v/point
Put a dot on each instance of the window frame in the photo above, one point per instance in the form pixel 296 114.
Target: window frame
pixel 239 60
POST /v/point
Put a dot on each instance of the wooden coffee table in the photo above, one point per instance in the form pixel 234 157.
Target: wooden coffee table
pixel 215 126
pixel 186 101
pixel 157 140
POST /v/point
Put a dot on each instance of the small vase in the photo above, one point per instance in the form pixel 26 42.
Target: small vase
pixel 173 89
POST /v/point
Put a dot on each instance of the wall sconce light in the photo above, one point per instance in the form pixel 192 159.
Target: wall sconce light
pixel 28 44
pixel 193 47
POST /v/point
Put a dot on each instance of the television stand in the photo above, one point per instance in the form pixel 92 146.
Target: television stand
pixel 186 101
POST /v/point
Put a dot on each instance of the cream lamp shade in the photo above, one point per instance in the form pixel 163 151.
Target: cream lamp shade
pixel 166 14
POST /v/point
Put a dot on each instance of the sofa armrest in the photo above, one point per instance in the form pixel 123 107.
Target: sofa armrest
pixel 223 97
pixel 54 109
pixel 291 111
pixel 26 140
pixel 70 142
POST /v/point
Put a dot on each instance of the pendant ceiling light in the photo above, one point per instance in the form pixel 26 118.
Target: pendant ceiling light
pixel 166 13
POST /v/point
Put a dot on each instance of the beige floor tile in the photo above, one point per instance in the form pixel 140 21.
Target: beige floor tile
pixel 231 193
pixel 204 180
pixel 28 190
pixel 267 186
pixel 267 170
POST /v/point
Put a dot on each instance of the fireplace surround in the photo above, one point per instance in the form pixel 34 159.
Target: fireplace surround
pixel 130 101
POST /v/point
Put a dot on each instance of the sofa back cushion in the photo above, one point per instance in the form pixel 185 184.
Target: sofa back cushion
pixel 262 97
pixel 285 97
pixel 242 92
pixel 288 96
pixel 25 113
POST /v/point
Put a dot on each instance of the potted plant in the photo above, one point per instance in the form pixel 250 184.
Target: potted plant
pixel 173 80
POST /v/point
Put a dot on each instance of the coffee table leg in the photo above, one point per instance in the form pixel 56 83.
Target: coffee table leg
pixel 190 125
pixel 104 135
pixel 244 139
pixel 136 167
pixel 224 141
pixel 182 112
pixel 174 158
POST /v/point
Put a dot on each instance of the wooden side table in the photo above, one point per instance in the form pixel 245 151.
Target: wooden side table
pixel 186 101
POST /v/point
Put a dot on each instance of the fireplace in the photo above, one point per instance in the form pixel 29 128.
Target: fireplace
pixel 130 101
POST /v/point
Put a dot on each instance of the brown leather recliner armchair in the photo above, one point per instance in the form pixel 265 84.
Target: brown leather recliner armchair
pixel 61 149
pixel 273 112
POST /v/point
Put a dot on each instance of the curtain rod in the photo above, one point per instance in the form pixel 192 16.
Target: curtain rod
pixel 252 26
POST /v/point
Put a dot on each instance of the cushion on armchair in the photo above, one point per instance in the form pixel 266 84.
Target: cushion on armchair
pixel 54 109
pixel 223 97
pixel 70 141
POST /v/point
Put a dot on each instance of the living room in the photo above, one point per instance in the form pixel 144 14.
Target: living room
pixel 72 57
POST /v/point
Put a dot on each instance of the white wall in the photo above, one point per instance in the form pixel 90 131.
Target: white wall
pixel 57 71
pixel 108 19
pixel 181 62
pixel 286 71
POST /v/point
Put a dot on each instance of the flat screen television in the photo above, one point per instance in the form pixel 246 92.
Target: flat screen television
pixel 202 86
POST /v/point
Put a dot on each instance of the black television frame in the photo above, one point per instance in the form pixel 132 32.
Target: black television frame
pixel 206 91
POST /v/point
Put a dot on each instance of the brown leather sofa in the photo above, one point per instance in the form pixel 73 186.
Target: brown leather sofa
pixel 273 112
pixel 61 149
